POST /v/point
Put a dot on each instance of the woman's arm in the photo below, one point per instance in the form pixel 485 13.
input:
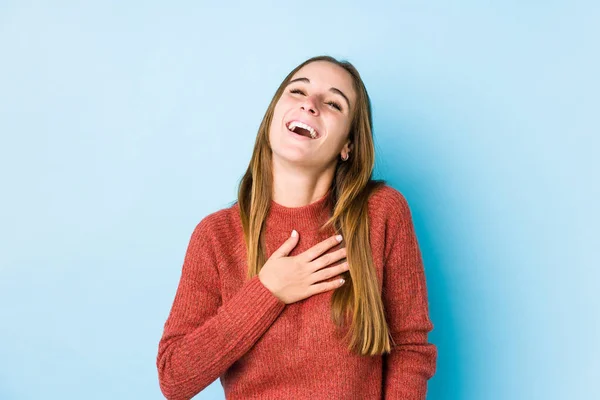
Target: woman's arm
pixel 412 360
pixel 202 337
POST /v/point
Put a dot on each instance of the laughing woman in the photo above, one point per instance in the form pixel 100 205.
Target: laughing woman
pixel 312 284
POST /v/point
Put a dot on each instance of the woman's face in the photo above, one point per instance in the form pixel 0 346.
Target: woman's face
pixel 319 99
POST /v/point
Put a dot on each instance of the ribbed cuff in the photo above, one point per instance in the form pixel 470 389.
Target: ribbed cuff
pixel 252 309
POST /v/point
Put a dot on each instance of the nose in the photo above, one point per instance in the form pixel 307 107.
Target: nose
pixel 309 105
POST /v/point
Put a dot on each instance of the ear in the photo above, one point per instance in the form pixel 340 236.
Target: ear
pixel 348 147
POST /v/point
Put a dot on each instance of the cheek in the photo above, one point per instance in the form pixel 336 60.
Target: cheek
pixel 279 111
pixel 283 104
pixel 277 119
pixel 340 126
pixel 277 116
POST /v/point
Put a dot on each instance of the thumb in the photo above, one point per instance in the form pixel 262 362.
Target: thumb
pixel 287 246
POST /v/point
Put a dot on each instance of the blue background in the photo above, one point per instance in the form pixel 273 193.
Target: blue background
pixel 123 125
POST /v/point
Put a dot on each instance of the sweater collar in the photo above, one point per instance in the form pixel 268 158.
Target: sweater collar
pixel 309 217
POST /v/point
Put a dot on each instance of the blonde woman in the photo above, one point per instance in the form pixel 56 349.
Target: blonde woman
pixel 311 285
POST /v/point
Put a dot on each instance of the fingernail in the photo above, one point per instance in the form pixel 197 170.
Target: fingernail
pixel 339 238
pixel 342 281
pixel 294 233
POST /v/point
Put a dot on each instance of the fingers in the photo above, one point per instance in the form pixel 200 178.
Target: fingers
pixel 328 259
pixel 320 248
pixel 287 246
pixel 325 286
pixel 327 273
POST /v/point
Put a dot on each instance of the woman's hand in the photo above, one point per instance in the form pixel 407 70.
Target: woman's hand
pixel 295 278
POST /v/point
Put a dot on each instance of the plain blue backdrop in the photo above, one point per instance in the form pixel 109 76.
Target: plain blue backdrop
pixel 123 125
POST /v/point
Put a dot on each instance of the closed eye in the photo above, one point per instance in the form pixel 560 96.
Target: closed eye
pixel 335 105
pixel 330 103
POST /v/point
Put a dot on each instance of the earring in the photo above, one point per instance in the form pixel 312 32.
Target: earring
pixel 347 156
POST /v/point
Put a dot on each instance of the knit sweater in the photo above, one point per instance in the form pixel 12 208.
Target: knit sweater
pixel 223 325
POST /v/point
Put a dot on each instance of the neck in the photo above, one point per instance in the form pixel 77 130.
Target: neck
pixel 307 217
pixel 294 186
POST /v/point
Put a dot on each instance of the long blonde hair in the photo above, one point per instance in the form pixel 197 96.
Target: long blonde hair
pixel 352 186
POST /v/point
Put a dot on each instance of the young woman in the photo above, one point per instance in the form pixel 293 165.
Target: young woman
pixel 312 284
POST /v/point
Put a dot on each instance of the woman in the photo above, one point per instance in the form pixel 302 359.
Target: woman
pixel 269 312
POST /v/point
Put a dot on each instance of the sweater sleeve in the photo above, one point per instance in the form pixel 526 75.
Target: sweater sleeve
pixel 412 360
pixel 202 336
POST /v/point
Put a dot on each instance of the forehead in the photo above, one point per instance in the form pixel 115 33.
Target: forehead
pixel 326 75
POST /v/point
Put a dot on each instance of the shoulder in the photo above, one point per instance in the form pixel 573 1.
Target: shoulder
pixel 390 219
pixel 218 224
pixel 389 214
pixel 388 203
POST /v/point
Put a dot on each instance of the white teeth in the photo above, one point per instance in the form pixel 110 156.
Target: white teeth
pixel 295 124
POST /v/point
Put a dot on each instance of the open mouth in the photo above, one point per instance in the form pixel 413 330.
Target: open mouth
pixel 302 129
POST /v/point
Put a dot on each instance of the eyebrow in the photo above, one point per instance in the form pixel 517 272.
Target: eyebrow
pixel 332 89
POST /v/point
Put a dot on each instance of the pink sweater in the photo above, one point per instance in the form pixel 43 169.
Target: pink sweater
pixel 224 326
